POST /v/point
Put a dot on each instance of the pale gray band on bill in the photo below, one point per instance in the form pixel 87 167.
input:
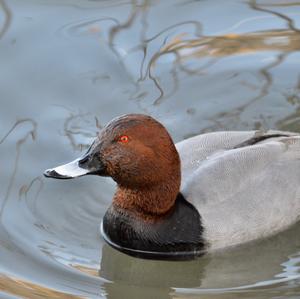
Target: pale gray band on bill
pixel 67 171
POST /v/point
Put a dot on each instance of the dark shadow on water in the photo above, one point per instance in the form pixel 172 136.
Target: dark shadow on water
pixel 140 278
pixel 230 271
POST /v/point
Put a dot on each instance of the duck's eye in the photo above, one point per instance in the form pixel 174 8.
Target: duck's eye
pixel 123 139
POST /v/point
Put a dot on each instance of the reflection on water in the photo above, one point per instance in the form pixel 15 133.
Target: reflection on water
pixel 7 18
pixel 218 273
pixel 79 125
pixel 24 289
pixel 68 67
pixel 30 133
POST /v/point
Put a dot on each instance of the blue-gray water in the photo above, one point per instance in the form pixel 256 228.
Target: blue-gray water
pixel 68 67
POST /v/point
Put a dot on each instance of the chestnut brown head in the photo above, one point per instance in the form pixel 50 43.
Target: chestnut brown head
pixel 134 149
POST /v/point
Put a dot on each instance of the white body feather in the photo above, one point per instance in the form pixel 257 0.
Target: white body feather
pixel 242 193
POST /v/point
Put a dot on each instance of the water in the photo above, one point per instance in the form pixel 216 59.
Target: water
pixel 68 67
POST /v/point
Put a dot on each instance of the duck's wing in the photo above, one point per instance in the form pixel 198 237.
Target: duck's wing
pixel 249 191
pixel 196 149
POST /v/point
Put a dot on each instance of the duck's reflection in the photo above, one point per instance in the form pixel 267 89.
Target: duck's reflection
pixel 147 278
pixel 237 268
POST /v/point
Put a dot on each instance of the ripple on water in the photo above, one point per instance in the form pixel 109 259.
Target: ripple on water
pixel 89 27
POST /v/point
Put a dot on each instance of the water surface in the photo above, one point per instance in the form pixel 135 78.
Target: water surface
pixel 68 67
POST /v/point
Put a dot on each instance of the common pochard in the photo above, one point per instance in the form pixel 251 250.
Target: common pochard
pixel 208 192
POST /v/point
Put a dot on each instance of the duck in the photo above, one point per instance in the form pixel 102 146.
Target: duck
pixel 206 193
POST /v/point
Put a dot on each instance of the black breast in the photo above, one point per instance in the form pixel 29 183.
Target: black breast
pixel 178 235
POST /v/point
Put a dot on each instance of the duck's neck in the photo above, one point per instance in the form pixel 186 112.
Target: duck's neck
pixel 150 201
pixel 154 221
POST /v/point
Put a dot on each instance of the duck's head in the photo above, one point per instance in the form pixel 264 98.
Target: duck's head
pixel 134 149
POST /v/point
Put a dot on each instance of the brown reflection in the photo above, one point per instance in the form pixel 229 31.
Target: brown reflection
pixel 136 10
pixel 24 190
pixel 185 46
pixel 71 129
pixel 87 270
pixel 233 116
pixel 216 47
pixel 292 122
pixel 141 10
pixel 119 27
pixel 267 81
pixel 24 289
pixel 253 4
pixel 283 3
pixel 151 65
pixel 284 41
pixel 232 44
pixel 31 133
pixel 8 17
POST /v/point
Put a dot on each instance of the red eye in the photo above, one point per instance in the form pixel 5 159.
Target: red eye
pixel 123 139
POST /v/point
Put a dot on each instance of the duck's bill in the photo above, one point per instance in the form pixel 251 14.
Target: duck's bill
pixel 89 164
pixel 67 171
